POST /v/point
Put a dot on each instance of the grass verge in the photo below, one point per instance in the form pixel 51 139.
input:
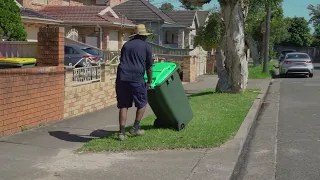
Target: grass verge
pixel 255 72
pixel 217 117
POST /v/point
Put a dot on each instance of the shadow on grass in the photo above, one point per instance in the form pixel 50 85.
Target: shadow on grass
pixel 69 137
pixel 201 94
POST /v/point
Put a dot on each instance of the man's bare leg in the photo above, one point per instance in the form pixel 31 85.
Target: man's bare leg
pixel 136 126
pixel 122 122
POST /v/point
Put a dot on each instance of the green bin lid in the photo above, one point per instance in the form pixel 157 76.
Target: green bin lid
pixel 160 71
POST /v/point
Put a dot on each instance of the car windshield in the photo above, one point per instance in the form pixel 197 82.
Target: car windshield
pixel 297 56
pixel 91 51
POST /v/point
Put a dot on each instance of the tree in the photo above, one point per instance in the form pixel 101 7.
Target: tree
pixel 167 7
pixel 233 76
pixel 316 36
pixel 210 34
pixel 315 15
pixel 11 27
pixel 193 4
pixel 299 32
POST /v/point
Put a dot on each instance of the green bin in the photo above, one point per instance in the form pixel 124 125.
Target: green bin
pixel 167 97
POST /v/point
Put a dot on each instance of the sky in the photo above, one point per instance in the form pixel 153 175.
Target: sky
pixel 291 7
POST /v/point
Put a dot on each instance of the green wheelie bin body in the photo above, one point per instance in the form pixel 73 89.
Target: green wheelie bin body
pixel 167 97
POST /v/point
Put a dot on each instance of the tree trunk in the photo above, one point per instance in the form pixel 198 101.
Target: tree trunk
pixel 253 49
pixel 223 82
pixel 236 62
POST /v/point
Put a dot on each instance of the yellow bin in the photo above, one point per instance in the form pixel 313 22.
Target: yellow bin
pixel 17 62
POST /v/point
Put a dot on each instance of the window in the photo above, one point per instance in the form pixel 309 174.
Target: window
pixel 40 1
pixel 91 51
pixel 69 50
pixel 297 56
pixel 101 2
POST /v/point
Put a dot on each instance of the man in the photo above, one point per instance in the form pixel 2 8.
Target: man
pixel 135 60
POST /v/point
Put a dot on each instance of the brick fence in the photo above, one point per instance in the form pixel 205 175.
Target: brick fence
pixel 32 96
pixel 81 98
pixel 188 65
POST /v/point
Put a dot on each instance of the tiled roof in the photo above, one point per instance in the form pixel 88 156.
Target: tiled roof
pixel 34 14
pixel 202 16
pixel 182 17
pixel 80 14
pixel 141 10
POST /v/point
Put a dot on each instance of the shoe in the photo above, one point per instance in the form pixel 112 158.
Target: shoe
pixel 136 132
pixel 121 136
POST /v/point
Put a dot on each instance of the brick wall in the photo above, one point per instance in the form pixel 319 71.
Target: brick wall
pixel 211 64
pixel 31 96
pixel 89 97
pixel 36 5
pixel 189 66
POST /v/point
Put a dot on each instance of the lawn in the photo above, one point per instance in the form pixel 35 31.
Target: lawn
pixel 217 117
pixel 255 72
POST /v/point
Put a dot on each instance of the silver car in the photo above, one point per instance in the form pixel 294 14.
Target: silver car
pixel 296 63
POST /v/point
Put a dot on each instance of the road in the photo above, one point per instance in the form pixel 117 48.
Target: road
pixel 285 144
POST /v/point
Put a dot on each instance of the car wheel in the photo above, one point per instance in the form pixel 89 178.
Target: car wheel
pixel 310 75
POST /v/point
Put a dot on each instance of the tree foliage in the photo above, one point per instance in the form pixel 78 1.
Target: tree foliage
pixel 11 27
pixel 167 7
pixel 299 32
pixel 210 34
pixel 193 4
pixel 315 14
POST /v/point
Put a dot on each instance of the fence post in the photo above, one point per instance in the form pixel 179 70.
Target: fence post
pixel 50 51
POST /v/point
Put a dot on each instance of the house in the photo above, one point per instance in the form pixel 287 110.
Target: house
pixel 173 29
pixel 33 20
pixel 98 26
pixel 89 21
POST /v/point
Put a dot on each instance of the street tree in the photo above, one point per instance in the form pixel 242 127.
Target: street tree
pixel 233 65
pixel 167 7
pixel 209 35
pixel 11 27
pixel 315 15
pixel 299 32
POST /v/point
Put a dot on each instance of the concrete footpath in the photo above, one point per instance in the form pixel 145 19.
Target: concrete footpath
pixel 47 153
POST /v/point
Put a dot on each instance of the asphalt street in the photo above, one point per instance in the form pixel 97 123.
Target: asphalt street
pixel 286 141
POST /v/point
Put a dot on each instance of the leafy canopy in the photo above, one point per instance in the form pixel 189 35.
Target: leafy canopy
pixel 167 7
pixel 210 34
pixel 11 27
pixel 315 14
pixel 299 32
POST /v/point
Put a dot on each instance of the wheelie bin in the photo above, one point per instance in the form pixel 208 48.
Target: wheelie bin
pixel 167 97
pixel 17 62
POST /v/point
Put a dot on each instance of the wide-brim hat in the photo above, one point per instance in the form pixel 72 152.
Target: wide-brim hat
pixel 141 30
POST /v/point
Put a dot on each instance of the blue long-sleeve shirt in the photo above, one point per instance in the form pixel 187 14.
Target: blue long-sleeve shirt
pixel 135 59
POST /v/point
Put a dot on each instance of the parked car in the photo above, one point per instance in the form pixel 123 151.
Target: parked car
pixel 296 63
pixel 81 56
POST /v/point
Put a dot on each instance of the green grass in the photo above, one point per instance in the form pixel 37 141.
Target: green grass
pixel 217 117
pixel 255 72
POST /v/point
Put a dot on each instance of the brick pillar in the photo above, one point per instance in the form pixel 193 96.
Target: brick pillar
pixel 120 39
pixel 190 68
pixel 50 50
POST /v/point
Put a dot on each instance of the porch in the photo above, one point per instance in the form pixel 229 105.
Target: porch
pixel 177 36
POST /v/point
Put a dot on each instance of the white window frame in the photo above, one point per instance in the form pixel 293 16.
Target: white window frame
pixel 40 1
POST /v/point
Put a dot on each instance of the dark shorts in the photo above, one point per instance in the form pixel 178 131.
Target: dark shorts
pixel 129 92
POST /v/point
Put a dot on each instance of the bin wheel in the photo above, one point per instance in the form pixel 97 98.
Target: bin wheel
pixel 181 126
pixel 156 123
